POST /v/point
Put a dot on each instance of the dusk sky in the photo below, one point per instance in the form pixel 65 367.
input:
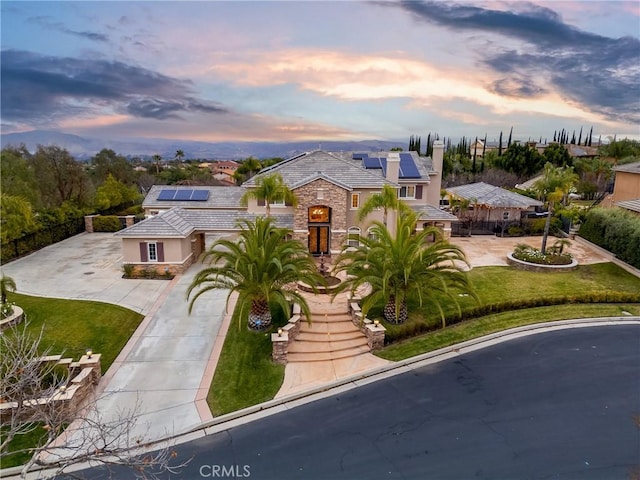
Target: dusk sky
pixel 303 70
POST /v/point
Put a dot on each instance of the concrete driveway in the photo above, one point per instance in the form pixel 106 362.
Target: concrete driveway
pixel 163 365
pixel 84 267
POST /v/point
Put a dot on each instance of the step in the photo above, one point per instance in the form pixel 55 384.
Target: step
pixel 332 317
pixel 339 345
pixel 328 327
pixel 324 356
pixel 309 336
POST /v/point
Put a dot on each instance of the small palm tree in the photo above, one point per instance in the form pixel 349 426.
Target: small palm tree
pixel 553 187
pixel 262 266
pixel 405 266
pixel 270 188
pixel 7 284
pixel 387 199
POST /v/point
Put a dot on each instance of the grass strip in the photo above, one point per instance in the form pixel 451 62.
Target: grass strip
pixel 497 322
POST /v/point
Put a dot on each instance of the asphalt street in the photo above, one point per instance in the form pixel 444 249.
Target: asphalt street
pixel 556 405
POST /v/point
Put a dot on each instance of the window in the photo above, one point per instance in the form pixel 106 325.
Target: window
pixel 152 252
pixel 355 201
pixel 277 203
pixel 353 237
pixel 407 191
pixel 371 234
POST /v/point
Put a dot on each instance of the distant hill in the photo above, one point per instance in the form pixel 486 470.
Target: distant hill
pixel 83 148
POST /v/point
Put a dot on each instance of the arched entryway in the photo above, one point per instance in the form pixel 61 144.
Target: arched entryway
pixel 319 224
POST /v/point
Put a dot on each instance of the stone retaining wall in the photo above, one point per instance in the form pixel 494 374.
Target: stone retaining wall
pixel 534 267
pixel 14 319
pixel 374 331
pixel 280 340
pixel 66 400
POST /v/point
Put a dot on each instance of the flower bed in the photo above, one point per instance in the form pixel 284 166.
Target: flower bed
pixel 530 254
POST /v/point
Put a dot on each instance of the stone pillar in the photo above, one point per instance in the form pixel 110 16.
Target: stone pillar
pixel 88 223
pixel 375 335
pixel 92 362
pixel 129 220
pixel 280 345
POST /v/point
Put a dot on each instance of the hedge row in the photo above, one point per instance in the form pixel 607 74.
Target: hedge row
pixel 616 230
pixel 107 223
pixel 411 329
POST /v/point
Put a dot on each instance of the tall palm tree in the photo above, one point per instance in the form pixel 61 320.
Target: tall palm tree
pixel 262 266
pixel 387 199
pixel 7 284
pixel 554 186
pixel 179 155
pixel 270 188
pixel 404 266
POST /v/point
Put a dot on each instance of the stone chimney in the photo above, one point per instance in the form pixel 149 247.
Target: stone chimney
pixel 433 196
pixel 393 167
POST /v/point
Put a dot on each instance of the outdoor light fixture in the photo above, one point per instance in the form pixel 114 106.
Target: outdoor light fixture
pixel 376 323
pixel 63 388
pixel 89 353
pixel 279 332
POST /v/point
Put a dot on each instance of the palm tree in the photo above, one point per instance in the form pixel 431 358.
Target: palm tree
pixel 553 187
pixel 270 188
pixel 179 155
pixel 7 284
pixel 387 199
pixel 262 266
pixel 403 267
pixel 157 158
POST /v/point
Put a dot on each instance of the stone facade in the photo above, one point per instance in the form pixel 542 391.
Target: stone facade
pixel 322 193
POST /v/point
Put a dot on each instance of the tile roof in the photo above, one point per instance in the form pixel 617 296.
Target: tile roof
pixel 493 197
pixel 181 222
pixel 334 168
pixel 429 213
pixel 629 168
pixel 219 197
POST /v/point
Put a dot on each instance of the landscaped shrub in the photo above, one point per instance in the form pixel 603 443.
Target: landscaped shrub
pixel 616 230
pixel 412 328
pixel 108 223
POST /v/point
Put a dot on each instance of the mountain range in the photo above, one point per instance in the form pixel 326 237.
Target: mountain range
pixel 83 148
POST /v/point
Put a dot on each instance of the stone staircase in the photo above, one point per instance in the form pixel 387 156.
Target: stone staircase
pixel 331 335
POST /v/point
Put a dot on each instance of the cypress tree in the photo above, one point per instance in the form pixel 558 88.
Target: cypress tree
pixel 590 134
pixel 500 145
pixel 573 138
pixel 554 135
pixel 580 137
pixel 510 134
pixel 473 165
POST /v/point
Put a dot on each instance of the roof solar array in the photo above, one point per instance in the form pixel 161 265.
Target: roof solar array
pixel 408 167
pixel 371 162
pixel 359 156
pixel 184 195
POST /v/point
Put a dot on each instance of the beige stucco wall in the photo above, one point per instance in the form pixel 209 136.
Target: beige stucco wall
pixel 176 250
pixel 626 187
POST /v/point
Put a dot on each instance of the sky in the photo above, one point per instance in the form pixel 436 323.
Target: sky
pixel 320 70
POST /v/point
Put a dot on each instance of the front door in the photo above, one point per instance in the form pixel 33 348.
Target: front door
pixel 319 240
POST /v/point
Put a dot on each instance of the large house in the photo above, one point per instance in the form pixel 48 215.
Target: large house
pixel 330 188
pixel 626 189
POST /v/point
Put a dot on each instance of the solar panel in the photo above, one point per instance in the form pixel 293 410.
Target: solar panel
pixel 183 195
pixel 166 194
pixel 200 195
pixel 371 162
pixel 359 156
pixel 408 167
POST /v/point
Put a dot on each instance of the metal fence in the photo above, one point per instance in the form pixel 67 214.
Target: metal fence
pixel 35 241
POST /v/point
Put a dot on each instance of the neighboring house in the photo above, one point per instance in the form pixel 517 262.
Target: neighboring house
pixel 162 198
pixel 631 205
pixel 224 171
pixel 488 203
pixel 627 182
pixel 478 148
pixel 329 187
pixel 582 151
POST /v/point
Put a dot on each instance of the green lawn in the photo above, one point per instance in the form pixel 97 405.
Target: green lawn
pixel 245 374
pixel 69 328
pixel 72 326
pixel 501 321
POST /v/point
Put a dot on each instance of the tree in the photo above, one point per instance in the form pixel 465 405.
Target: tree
pixel 18 177
pixel 7 284
pixel 521 159
pixel 157 159
pixel 404 267
pixel 16 217
pixel 557 155
pixel 106 162
pixel 270 189
pixel 387 199
pixel 113 193
pixel 553 187
pixel 179 155
pixel 26 380
pixel 263 266
pixel 60 177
